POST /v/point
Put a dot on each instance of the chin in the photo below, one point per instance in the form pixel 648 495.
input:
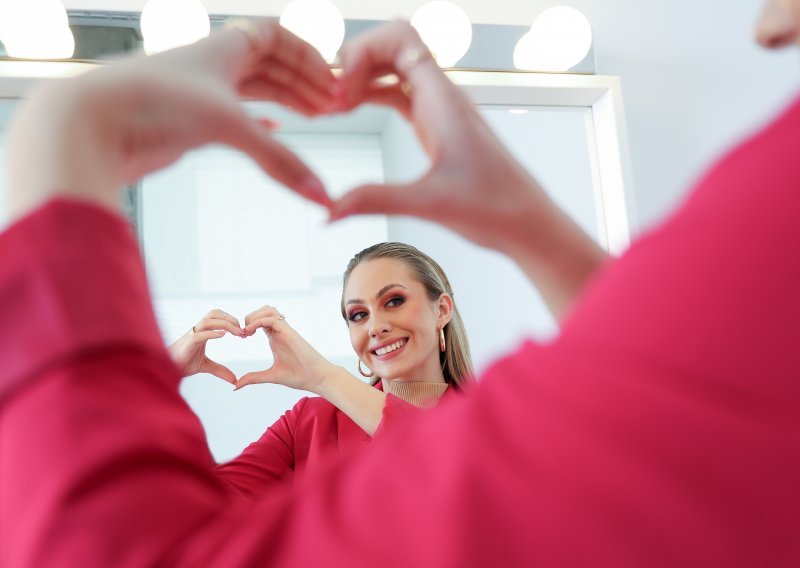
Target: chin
pixel 391 372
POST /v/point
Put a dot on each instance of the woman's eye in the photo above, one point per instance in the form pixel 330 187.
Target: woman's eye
pixel 357 315
pixel 395 301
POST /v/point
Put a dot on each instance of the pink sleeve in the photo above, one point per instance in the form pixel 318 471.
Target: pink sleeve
pixel 101 461
pixel 268 460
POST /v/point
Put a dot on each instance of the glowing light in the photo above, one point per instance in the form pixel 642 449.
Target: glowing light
pixel 446 30
pixel 36 29
pixel 318 22
pixel 559 39
pixel 167 24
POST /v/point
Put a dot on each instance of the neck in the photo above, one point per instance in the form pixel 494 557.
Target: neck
pixel 422 394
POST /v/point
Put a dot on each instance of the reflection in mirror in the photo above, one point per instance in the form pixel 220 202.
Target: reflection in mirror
pixel 216 232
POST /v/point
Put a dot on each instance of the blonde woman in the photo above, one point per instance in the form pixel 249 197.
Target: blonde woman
pixel 407 333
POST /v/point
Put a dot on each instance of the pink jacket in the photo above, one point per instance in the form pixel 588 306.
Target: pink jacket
pixel 306 438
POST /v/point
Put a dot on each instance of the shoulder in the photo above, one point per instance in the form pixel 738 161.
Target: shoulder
pixel 310 406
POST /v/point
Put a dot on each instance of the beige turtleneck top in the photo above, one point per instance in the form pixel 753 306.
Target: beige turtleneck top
pixel 421 394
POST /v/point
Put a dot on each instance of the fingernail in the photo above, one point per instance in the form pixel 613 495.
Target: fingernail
pixel 335 216
pixel 316 190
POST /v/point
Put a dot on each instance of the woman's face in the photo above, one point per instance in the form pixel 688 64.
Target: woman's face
pixel 394 327
pixel 779 24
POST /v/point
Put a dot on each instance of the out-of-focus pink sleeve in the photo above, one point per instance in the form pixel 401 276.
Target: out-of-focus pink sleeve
pixel 101 461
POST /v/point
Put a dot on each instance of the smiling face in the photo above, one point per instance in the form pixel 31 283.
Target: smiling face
pixel 779 24
pixel 394 325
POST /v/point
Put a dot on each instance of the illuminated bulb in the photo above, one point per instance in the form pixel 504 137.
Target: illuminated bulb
pixel 559 39
pixel 446 30
pixel 36 29
pixel 167 24
pixel 318 22
pixel 518 110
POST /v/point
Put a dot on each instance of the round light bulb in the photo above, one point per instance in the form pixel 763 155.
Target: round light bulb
pixel 446 30
pixel 167 24
pixel 559 39
pixel 318 22
pixel 36 29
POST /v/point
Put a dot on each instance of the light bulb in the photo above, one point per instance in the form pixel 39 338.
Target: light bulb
pixel 36 29
pixel 446 30
pixel 318 22
pixel 167 24
pixel 559 39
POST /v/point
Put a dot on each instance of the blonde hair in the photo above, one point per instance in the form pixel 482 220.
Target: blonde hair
pixel 456 360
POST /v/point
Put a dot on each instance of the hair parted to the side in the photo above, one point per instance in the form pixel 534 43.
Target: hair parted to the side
pixel 456 360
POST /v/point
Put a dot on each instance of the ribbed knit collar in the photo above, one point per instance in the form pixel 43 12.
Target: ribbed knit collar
pixel 424 395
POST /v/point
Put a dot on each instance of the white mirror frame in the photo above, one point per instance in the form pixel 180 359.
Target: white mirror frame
pixel 609 154
pixel 602 95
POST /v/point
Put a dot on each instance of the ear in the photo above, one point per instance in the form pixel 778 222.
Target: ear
pixel 445 306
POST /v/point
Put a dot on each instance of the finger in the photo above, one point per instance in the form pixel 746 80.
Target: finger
pixel 214 324
pixel 232 52
pixel 379 49
pixel 437 103
pixel 268 123
pixel 292 51
pixel 391 96
pixel 278 161
pixel 263 90
pixel 270 324
pixel 288 79
pixel 263 311
pixel 218 370
pixel 204 336
pixel 258 377
pixel 217 313
pixel 405 199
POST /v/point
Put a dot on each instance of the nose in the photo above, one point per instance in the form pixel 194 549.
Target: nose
pixel 378 327
pixel 777 27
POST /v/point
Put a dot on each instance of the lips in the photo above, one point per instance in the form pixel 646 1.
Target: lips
pixel 390 349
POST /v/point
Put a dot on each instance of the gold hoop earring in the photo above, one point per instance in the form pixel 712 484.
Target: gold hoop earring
pixel 442 344
pixel 363 374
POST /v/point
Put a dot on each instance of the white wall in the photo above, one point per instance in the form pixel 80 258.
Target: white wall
pixel 693 80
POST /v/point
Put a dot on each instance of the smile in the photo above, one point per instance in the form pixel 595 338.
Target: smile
pixel 392 348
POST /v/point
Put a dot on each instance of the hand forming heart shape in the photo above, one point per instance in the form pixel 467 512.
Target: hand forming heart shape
pixel 296 363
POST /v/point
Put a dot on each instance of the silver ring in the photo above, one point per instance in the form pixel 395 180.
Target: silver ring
pixel 192 332
pixel 280 317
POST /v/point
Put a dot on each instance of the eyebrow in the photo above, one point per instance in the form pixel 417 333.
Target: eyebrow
pixel 380 293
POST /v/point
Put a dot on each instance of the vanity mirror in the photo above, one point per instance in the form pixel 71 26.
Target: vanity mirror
pixel 216 232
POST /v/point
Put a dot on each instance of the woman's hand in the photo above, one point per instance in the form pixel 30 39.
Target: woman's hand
pixel 474 186
pixel 189 352
pixel 296 363
pixel 86 137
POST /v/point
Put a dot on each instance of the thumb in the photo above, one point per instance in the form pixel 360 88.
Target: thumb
pixel 401 199
pixel 253 378
pixel 220 371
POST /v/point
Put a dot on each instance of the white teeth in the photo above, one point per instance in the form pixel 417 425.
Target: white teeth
pixel 390 348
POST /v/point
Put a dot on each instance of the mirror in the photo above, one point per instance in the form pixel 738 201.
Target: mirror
pixel 216 232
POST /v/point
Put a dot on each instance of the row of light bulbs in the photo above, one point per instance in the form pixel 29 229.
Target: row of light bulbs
pixel 559 38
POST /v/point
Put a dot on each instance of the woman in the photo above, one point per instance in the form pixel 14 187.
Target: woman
pixel 661 428
pixel 404 326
